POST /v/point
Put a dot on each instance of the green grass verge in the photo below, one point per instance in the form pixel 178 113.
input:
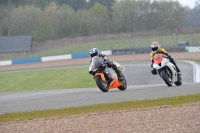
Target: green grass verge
pixel 129 105
pixel 46 80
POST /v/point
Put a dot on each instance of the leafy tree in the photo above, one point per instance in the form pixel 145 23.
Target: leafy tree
pixel 22 20
pixel 124 16
pixel 44 28
pixel 3 20
pixel 45 19
pixel 142 18
pixel 170 14
pixel 83 23
pixel 100 19
pixel 65 21
pixel 197 4
pixel 55 22
pixel 131 15
pixel 7 2
pixel 107 3
pixel 16 3
pixel 194 14
pixel 75 4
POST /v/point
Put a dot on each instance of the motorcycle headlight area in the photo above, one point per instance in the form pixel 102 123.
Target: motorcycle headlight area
pixel 157 66
pixel 102 68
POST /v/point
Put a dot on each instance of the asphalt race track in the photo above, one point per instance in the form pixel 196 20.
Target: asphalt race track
pixel 141 85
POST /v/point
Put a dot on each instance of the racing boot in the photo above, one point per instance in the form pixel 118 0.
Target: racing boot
pixel 173 61
pixel 178 70
pixel 118 72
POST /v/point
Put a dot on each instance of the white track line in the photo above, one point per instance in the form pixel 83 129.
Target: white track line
pixel 196 71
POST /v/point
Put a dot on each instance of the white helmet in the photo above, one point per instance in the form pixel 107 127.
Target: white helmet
pixel 154 46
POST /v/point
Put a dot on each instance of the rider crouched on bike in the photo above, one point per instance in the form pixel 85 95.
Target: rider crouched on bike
pixel 96 52
pixel 157 49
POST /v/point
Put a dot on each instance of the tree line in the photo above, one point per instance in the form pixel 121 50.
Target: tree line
pixel 54 19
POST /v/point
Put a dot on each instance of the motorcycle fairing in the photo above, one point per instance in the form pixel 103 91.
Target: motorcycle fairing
pixel 115 83
pixel 158 60
pixel 101 75
pixel 173 71
pixel 160 63
pixel 106 74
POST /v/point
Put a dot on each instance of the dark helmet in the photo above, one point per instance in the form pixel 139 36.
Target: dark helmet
pixel 94 52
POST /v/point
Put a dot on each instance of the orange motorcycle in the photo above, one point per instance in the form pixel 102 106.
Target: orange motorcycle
pixel 105 77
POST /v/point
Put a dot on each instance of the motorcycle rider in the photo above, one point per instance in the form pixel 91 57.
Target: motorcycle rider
pixel 157 49
pixel 96 52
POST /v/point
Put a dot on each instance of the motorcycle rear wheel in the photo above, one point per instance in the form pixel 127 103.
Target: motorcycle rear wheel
pixel 124 84
pixel 103 86
pixel 165 77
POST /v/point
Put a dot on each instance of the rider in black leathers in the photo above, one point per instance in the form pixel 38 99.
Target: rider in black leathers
pixel 96 52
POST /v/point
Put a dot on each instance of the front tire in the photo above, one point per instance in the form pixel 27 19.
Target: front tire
pixel 103 86
pixel 124 84
pixel 166 78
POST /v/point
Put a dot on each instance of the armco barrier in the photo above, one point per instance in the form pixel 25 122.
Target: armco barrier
pixel 29 60
pixel 108 52
pixel 5 63
pixel 80 55
pixel 146 50
pixel 58 57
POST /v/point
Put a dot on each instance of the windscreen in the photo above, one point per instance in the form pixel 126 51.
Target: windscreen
pixel 97 61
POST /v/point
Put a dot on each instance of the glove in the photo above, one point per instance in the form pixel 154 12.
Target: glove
pixel 105 61
pixel 168 56
pixel 102 55
pixel 91 72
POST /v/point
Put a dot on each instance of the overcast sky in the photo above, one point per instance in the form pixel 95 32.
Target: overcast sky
pixel 190 3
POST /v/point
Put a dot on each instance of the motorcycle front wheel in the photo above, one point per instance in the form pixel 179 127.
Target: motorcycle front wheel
pixel 103 86
pixel 165 76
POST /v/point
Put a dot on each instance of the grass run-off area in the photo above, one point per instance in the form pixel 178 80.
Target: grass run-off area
pixel 128 105
pixel 46 80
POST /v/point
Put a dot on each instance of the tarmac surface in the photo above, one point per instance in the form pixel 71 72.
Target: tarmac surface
pixel 141 85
